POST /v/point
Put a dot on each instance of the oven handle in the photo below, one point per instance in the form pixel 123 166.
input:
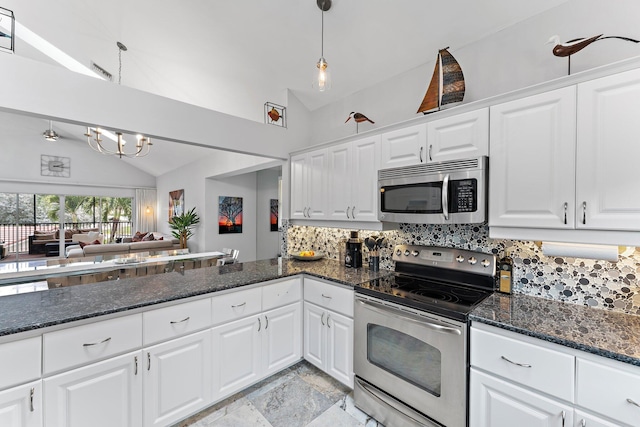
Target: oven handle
pixel 385 402
pixel 445 197
pixel 411 318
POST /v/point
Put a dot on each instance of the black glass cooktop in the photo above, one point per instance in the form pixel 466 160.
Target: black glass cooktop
pixel 450 300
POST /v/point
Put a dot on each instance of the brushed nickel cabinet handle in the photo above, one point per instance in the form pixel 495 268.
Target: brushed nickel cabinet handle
pixel 148 361
pixel 325 296
pixel 633 402
pixel 563 417
pixel 173 322
pixel 322 319
pixel 135 361
pixel 31 393
pixel 347 211
pixel 239 305
pixel 566 205
pixel 96 343
pixel 583 423
pixel 353 212
pixel 430 148
pixel 328 317
pixel 522 365
pixel 259 324
pixel 421 148
pixel 266 320
pixel 584 212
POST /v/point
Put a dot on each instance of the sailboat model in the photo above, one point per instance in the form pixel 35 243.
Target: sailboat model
pixel 447 84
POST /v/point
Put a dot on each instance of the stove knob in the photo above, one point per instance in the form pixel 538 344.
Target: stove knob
pixel 398 252
pixel 473 261
pixel 407 253
pixel 485 263
pixel 415 253
pixel 460 258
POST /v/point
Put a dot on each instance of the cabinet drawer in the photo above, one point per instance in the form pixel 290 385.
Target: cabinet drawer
pixel 329 296
pixel 540 368
pixel 20 361
pixel 175 321
pixel 236 305
pixel 604 388
pixel 84 344
pixel 282 293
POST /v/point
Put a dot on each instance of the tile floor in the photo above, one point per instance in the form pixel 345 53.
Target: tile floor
pixel 300 396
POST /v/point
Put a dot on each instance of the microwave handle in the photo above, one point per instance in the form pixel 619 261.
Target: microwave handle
pixel 445 197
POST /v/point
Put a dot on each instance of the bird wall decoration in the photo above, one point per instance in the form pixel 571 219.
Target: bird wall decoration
pixel 576 45
pixel 358 118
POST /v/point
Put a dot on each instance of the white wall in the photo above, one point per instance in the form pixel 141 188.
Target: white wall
pixel 238 186
pixel 267 241
pixel 510 59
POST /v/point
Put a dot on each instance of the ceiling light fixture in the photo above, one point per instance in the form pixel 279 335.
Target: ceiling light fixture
pixel 322 81
pixel 50 134
pixel 95 141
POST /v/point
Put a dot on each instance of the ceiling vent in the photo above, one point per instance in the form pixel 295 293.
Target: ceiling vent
pixel 101 71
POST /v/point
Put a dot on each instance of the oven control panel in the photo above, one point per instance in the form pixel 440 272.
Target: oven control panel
pixel 451 258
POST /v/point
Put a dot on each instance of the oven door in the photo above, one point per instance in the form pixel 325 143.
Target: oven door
pixel 413 357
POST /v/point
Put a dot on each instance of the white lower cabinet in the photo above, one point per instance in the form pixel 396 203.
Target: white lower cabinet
pixel 21 406
pixel 281 338
pixel 498 403
pixel 328 342
pixel 177 379
pixel 104 394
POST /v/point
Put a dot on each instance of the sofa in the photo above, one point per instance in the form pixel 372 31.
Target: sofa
pixel 39 239
pixel 160 242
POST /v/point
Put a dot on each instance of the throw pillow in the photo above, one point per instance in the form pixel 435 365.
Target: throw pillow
pixel 83 244
pixel 148 237
pixel 93 235
pixel 161 238
pixel 138 236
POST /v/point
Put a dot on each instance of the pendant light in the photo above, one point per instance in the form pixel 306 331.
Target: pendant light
pixel 50 134
pixel 322 81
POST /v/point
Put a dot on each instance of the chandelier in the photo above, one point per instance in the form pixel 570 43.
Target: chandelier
pixel 95 141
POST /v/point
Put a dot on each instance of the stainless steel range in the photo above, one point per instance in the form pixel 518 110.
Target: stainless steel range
pixel 411 346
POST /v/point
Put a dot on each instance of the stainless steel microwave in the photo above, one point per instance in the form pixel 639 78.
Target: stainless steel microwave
pixel 450 192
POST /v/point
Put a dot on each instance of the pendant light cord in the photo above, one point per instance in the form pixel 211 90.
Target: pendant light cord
pixel 322 33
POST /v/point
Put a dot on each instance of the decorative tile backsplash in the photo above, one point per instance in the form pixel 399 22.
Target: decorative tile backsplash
pixel 602 284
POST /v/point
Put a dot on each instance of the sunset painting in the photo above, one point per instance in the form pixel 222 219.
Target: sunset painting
pixel 229 215
pixel 273 217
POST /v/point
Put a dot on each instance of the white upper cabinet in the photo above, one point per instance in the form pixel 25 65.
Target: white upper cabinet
pixel 458 137
pixel 404 147
pixel 608 153
pixel 352 176
pixel 308 185
pixel 532 166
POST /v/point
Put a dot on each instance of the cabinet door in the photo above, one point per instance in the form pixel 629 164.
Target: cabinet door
pixel 459 137
pixel 299 193
pixel 532 170
pixel 339 361
pixel 177 378
pixel 608 152
pixel 105 394
pixel 236 355
pixel 364 178
pixel 314 335
pixel 317 188
pixel 404 147
pixel 21 406
pixel 281 338
pixel 339 182
pixel 497 403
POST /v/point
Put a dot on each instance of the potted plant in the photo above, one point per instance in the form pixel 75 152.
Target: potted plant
pixel 182 226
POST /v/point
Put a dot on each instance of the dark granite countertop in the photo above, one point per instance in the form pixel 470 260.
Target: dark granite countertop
pixel 603 332
pixel 29 311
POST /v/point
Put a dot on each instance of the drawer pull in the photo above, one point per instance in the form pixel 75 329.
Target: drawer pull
pixel 173 322
pixel 523 365
pixel 31 393
pixel 633 402
pixel 326 296
pixel 239 305
pixel 96 343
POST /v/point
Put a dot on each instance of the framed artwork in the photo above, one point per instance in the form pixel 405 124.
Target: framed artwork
pixel 229 214
pixel 273 216
pixel 176 203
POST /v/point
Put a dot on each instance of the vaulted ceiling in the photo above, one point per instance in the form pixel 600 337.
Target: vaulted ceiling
pixel 232 56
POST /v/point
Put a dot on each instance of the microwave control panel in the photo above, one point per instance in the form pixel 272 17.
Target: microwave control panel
pixel 464 195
